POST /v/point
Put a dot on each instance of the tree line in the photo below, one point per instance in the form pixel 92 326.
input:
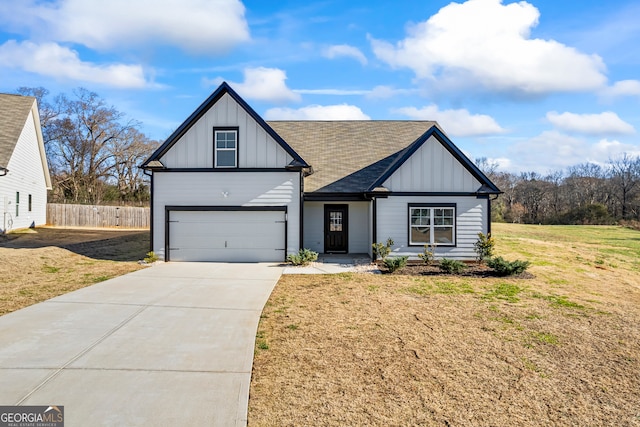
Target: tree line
pixel 93 150
pixel 587 193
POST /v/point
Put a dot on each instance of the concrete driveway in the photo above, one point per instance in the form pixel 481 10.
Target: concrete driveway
pixel 168 345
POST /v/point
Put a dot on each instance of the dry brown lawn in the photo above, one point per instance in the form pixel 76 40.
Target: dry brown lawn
pixel 560 349
pixel 46 262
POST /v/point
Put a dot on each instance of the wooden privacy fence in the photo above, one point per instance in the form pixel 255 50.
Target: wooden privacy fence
pixel 64 215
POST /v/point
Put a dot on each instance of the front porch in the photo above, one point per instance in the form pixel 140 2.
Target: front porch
pixel 334 228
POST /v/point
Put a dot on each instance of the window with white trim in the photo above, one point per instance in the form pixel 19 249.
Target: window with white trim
pixel 226 148
pixel 432 225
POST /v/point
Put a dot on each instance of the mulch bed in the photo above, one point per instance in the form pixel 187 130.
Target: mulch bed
pixel 473 270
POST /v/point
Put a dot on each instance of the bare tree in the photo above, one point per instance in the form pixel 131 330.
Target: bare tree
pixel 625 183
pixel 533 193
pixel 585 184
pixel 129 152
pixel 84 138
pixel 91 147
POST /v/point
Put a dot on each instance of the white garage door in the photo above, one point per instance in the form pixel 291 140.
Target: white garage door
pixel 240 236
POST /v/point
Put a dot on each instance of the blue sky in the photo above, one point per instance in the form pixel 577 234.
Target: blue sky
pixel 532 85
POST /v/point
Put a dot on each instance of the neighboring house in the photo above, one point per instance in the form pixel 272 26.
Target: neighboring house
pixel 24 174
pixel 228 186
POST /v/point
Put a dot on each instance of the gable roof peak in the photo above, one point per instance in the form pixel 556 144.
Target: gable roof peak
pixel 221 90
pixel 486 185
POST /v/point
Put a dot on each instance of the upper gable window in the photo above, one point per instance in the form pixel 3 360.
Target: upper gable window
pixel 226 148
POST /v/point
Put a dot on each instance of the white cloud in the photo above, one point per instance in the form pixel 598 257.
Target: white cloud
pixel 385 92
pixel 344 50
pixel 485 43
pixel 338 92
pixel 591 124
pixel 194 25
pixel 53 60
pixel 265 84
pixel 623 88
pixel 317 112
pixel 604 150
pixel 378 92
pixel 554 151
pixel 504 164
pixel 455 122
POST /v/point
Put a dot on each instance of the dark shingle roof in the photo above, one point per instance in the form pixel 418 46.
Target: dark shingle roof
pixel 14 111
pixel 348 156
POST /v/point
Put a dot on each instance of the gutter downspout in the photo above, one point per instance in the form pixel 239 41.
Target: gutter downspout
pixel 3 172
pixel 150 175
pixel 374 221
pixel 301 214
pixel 489 200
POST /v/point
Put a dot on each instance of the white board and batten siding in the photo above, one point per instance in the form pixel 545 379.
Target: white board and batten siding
pixel 432 168
pixel 219 189
pixel 393 221
pixel 256 148
pixel 26 176
pixel 359 231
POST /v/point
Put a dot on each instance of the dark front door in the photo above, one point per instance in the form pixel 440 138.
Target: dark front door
pixel 335 228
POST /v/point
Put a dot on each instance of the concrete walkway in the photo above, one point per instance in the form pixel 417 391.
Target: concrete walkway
pixel 335 264
pixel 170 345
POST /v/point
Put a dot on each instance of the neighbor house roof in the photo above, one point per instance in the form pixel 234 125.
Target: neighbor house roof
pixel 14 111
pixel 348 156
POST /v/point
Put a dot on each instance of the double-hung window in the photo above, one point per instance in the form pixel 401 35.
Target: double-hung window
pixel 432 225
pixel 226 148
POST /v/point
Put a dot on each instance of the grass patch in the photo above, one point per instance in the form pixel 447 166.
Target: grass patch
pixel 50 269
pixel 545 338
pixel 424 350
pixel 439 286
pixel 563 301
pixel 504 291
pixel 49 262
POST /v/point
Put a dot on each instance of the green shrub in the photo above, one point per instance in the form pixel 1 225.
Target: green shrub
pixel 451 266
pixel 484 246
pixel 428 253
pixel 503 267
pixel 303 257
pixel 395 263
pixel 151 257
pixel 382 251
